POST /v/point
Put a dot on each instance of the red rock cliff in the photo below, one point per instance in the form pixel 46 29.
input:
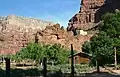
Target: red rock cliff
pixel 86 16
pixel 54 34
pixel 90 13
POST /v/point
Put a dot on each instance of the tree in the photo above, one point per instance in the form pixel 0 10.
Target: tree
pixel 100 47
pixel 57 53
pixel 33 51
pixel 37 52
pixel 112 28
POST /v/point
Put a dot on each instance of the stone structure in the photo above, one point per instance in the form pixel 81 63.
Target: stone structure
pixel 90 13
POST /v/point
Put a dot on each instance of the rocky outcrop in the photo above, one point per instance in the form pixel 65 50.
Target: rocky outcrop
pixel 20 22
pixel 85 19
pixel 12 40
pixel 90 13
pixel 54 34
pixel 16 32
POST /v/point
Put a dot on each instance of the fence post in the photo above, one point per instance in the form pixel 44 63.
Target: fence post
pixel 72 61
pixel 45 67
pixel 7 67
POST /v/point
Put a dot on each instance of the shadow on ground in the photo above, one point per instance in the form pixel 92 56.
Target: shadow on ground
pixel 38 73
pixel 102 74
pixel 29 73
pixel 21 72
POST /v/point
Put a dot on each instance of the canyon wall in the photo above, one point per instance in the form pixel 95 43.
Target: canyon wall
pixel 16 32
pixel 90 13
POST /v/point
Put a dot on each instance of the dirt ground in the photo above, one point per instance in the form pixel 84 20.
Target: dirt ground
pixel 102 74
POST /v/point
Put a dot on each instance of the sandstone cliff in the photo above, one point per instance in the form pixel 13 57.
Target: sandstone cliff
pixel 54 34
pixel 86 18
pixel 90 13
pixel 20 22
pixel 16 32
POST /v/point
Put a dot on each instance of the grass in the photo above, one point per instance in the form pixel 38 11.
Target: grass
pixel 22 71
pixel 52 70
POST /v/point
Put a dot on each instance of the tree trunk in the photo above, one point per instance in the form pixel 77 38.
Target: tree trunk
pixel 115 57
pixel 97 65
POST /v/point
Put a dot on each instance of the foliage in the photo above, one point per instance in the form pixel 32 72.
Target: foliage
pixel 111 24
pixel 55 53
pixel 100 46
pixel 32 51
pixel 112 28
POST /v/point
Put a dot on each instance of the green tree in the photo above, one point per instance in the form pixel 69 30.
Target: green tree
pixel 35 51
pixel 100 47
pixel 112 28
pixel 57 53
pixel 106 41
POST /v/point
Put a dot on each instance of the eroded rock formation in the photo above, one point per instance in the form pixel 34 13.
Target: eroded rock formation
pixel 85 19
pixel 90 13
pixel 16 32
pixel 12 40
pixel 54 34
pixel 21 23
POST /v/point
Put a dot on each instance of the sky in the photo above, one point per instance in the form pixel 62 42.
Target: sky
pixel 58 11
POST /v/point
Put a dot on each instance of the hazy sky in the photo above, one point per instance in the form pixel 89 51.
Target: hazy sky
pixel 54 10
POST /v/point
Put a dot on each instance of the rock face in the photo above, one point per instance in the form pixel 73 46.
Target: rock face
pixel 85 19
pixel 13 39
pixel 54 34
pixel 90 13
pixel 26 23
pixel 16 32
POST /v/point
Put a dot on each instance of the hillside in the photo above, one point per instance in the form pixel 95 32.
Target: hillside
pixel 17 31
